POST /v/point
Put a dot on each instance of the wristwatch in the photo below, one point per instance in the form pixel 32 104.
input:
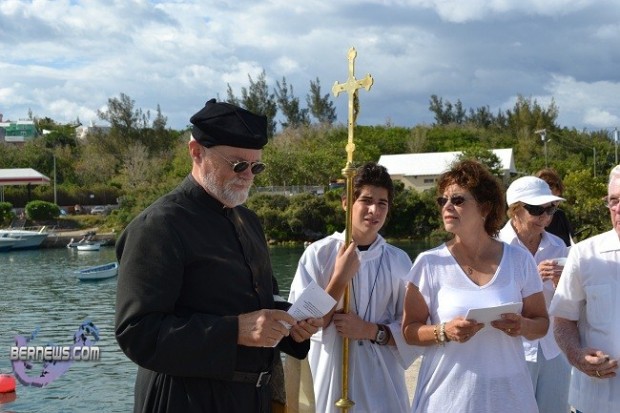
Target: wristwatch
pixel 383 336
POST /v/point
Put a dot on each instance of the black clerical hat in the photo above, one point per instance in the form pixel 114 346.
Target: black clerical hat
pixel 225 124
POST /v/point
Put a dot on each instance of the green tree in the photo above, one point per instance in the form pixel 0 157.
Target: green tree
pixel 289 106
pixel 481 117
pixel 95 166
pixel 528 115
pixel 230 96
pixel 6 213
pixel 486 157
pixel 443 111
pixel 307 216
pixel 271 210
pixel 257 99
pixel 321 107
pixel 154 136
pixel 413 214
pixel 124 122
pixel 584 205
pixel 41 210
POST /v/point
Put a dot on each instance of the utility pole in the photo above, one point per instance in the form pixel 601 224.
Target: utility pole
pixel 55 197
pixel 616 142
pixel 543 137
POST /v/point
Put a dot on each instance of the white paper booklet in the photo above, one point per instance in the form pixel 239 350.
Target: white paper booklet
pixel 313 302
pixel 488 314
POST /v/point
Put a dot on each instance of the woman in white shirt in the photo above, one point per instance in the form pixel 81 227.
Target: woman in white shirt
pixel 470 366
pixel 531 206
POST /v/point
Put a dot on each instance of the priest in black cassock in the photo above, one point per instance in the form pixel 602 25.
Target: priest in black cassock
pixel 195 307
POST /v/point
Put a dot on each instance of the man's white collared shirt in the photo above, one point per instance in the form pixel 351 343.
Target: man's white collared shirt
pixel 589 293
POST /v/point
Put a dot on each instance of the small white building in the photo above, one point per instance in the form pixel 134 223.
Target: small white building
pixel 82 131
pixel 420 171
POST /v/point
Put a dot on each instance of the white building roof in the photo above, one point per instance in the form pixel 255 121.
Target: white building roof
pixel 435 163
pixel 22 176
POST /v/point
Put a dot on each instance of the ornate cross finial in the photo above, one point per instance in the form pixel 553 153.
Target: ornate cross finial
pixel 351 86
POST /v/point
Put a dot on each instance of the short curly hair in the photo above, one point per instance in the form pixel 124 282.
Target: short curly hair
pixel 486 189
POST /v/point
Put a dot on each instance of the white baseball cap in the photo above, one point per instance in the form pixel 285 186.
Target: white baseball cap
pixel 530 190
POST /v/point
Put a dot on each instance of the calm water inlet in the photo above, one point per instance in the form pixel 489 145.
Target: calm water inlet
pixel 39 290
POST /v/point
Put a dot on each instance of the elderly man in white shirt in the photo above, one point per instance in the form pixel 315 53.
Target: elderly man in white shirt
pixel 586 307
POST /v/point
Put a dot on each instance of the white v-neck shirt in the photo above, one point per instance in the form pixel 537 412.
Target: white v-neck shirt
pixel 488 373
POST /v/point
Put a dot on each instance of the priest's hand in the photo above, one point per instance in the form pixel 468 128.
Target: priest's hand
pixel 351 326
pixel 304 329
pixel 263 328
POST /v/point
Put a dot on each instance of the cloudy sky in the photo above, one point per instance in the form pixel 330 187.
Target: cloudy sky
pixel 64 59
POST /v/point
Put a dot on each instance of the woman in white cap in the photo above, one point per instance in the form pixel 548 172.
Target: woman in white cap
pixel 531 205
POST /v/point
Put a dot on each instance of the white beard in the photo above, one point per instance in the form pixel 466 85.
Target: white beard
pixel 227 195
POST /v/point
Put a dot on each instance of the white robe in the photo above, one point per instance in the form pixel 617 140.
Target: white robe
pixel 376 373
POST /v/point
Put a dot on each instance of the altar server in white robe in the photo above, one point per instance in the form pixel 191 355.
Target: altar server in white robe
pixel 378 353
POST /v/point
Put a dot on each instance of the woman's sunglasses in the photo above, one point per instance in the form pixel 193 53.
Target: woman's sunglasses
pixel 240 166
pixel 537 210
pixel 455 200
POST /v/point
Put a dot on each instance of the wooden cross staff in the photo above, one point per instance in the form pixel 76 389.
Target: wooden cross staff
pixel 351 86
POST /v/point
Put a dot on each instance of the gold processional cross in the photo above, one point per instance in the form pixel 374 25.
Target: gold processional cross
pixel 351 86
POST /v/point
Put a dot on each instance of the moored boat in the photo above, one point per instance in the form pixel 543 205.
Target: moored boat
pixel 98 272
pixel 25 239
pixel 87 238
pixel 88 246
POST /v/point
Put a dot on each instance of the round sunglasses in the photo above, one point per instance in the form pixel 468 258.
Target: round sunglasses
pixel 240 166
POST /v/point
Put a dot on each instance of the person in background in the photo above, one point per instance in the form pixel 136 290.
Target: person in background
pixel 531 205
pixel 378 354
pixel 559 225
pixel 195 298
pixel 586 311
pixel 470 366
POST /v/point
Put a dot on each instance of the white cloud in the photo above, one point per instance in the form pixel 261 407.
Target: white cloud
pixel 459 11
pixel 67 56
pixel 600 118
pixel 593 105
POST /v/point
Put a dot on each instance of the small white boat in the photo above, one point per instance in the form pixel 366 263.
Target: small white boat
pixel 87 238
pixel 89 246
pixel 98 272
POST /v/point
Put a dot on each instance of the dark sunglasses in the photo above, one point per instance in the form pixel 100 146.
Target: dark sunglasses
pixel 537 210
pixel 455 200
pixel 240 166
